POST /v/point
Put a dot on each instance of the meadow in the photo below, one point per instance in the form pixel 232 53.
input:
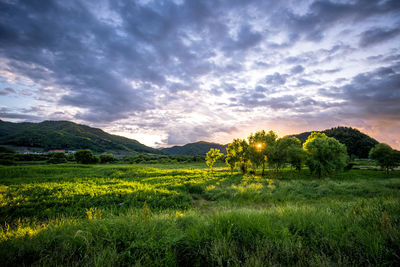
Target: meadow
pixel 183 215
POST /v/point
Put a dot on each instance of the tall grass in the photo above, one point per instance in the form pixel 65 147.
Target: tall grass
pixel 363 233
pixel 135 215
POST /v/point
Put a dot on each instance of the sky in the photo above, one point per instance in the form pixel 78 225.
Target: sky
pixel 174 72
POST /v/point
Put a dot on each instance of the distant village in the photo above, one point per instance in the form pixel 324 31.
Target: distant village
pixel 25 151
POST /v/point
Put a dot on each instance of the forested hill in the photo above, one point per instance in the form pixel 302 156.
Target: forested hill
pixel 193 149
pixel 67 135
pixel 357 143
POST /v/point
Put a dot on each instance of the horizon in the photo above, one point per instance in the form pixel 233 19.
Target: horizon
pixel 207 141
pixel 175 72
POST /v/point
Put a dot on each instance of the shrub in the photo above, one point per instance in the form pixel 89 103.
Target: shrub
pixel 56 158
pixel 107 158
pixel 86 157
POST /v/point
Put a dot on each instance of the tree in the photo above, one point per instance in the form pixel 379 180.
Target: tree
pixel 237 155
pixel 56 158
pixel 386 157
pixel 231 157
pixel 212 156
pixel 324 154
pixel 293 152
pixel 107 158
pixel 256 149
pixel 261 148
pixel 86 157
pixel 271 153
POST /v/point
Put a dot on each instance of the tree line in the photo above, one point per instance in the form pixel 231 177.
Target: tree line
pixel 323 155
pixel 86 156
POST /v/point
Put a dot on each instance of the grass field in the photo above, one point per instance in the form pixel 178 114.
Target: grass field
pixel 181 215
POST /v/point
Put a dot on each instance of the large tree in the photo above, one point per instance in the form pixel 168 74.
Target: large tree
pixel 262 148
pixel 385 156
pixel 256 149
pixel 293 153
pixel 237 155
pixel 324 154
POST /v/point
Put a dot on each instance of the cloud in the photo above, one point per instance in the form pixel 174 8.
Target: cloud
pixel 377 35
pixel 246 38
pixel 7 115
pixel 322 15
pixel 304 82
pixel 174 66
pixel 184 134
pixel 276 79
pixel 374 94
pixel 7 90
pixel 297 69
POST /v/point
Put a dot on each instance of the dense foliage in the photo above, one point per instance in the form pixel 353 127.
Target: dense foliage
pixel 49 135
pixel 212 156
pixel 155 159
pixel 358 144
pixel 237 155
pixel 57 158
pixel 324 154
pixel 120 215
pixel 86 156
pixel 386 157
pixel 107 158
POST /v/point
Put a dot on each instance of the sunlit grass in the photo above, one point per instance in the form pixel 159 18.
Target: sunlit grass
pixel 125 215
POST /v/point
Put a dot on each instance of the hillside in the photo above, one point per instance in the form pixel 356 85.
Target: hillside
pixel 67 135
pixel 193 149
pixel 357 143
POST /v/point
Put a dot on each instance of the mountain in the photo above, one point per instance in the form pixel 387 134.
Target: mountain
pixel 357 143
pixel 193 149
pixel 67 135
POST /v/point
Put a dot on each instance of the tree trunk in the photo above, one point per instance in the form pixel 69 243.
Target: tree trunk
pixel 291 172
pixel 263 165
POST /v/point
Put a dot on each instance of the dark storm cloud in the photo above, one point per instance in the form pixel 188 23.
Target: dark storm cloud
pixel 377 35
pixel 375 94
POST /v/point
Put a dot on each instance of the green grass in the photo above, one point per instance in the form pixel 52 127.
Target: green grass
pixel 181 215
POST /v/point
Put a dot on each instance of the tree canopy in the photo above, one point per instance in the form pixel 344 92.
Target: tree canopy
pixel 324 154
pixel 386 157
pixel 212 156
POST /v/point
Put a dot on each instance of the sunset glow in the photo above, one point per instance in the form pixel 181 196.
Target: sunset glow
pixel 176 72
